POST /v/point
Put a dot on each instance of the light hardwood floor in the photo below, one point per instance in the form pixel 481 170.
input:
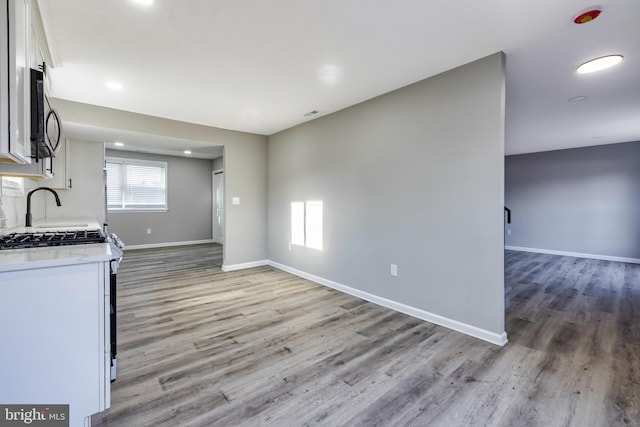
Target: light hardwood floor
pixel 261 347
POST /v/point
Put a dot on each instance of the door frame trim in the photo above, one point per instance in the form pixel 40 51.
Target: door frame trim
pixel 213 206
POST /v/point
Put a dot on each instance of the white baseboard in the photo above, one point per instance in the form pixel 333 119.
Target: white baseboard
pixel 234 267
pixel 492 337
pixel 168 244
pixel 574 254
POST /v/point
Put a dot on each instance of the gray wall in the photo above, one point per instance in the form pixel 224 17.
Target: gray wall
pixel 245 158
pixel 189 192
pixel 415 178
pixel 584 200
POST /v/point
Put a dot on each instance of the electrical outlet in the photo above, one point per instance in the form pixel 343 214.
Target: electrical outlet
pixel 394 270
pixel 508 232
pixel 289 246
pixel 148 231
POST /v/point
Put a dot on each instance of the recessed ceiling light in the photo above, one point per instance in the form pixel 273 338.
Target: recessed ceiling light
pixel 114 86
pixel 187 151
pixel 118 144
pixel 600 64
pixel 251 115
pixel 329 74
pixel 144 2
pixel 578 98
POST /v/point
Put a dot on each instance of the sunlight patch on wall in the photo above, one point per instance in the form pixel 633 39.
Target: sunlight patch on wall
pixel 297 223
pixel 306 224
pixel 313 225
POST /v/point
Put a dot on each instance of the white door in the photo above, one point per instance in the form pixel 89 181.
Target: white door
pixel 218 206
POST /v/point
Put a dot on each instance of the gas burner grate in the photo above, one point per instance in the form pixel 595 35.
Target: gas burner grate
pixel 50 238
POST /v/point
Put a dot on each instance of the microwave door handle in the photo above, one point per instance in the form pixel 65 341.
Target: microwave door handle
pixel 54 147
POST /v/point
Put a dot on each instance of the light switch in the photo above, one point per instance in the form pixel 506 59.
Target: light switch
pixel 235 200
pixel 394 270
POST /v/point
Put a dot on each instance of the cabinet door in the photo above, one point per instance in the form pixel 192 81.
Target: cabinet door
pixel 35 55
pixel 37 48
pixel 19 80
pixel 19 85
pixel 61 170
pixel 35 169
pixel 54 328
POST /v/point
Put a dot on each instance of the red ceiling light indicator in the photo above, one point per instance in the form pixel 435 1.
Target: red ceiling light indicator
pixel 588 15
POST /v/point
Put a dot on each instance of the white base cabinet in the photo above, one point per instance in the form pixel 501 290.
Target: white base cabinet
pixel 54 327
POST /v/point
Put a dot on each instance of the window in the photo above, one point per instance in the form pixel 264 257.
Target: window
pixel 306 224
pixel 136 185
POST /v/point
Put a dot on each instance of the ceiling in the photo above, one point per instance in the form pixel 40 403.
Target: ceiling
pixel 140 142
pixel 258 66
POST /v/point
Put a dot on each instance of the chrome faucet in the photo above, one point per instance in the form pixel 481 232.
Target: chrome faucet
pixel 28 218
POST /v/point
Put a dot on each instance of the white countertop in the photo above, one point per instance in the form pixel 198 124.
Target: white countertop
pixel 57 224
pixel 52 256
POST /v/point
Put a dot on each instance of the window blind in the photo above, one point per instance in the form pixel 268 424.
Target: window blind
pixel 136 185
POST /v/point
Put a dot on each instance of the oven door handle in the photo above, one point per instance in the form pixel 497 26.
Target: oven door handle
pixel 115 263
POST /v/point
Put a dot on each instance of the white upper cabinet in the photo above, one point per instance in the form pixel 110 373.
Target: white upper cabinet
pixel 58 171
pixel 15 142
